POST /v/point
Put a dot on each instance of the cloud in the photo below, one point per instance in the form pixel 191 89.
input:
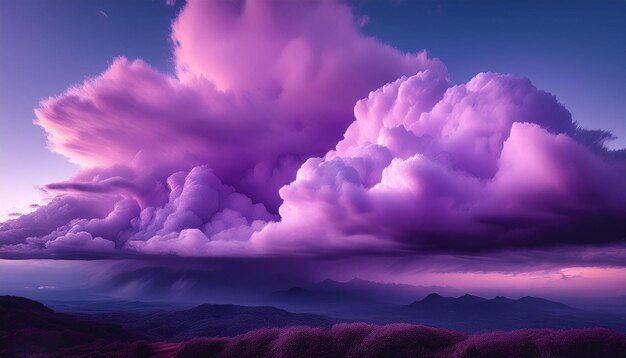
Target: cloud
pixel 252 112
pixel 364 21
pixel 427 167
pixel 46 219
pixel 198 163
pixel 201 217
pixel 81 241
pixel 260 87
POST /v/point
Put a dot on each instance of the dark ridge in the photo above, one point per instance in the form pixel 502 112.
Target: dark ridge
pixel 211 320
pixel 541 302
pixel 469 299
pixel 501 299
pixel 433 297
pixel 28 327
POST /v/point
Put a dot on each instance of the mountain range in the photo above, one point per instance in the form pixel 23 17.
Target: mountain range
pixel 329 295
pixel 360 300
pixel 466 313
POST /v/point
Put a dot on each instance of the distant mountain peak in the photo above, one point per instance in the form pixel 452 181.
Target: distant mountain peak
pixel 433 297
pixel 469 296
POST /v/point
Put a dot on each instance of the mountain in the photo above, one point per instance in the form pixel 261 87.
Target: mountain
pixel 28 328
pixel 392 293
pixel 471 313
pixel 467 299
pixel 365 301
pixel 209 320
pixel 435 301
pixel 331 296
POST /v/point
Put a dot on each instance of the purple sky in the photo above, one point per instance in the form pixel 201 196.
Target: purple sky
pixel 286 134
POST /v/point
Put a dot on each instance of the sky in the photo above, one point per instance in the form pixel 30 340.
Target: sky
pixel 410 141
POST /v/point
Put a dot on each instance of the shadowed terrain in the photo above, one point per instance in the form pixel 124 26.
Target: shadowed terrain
pixel 405 340
pixel 209 320
pixel 29 328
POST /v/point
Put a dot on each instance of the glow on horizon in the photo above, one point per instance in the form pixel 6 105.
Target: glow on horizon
pixel 579 281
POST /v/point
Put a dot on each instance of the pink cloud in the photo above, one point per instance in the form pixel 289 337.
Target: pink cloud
pixel 192 164
pixel 487 165
pixel 260 87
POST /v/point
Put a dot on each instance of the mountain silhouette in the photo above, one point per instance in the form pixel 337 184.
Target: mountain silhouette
pixel 472 313
pixel 28 327
pixel 209 320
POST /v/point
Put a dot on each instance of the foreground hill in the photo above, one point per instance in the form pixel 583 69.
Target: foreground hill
pixel 28 327
pixel 403 340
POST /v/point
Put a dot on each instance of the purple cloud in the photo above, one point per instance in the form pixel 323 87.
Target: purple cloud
pixel 256 93
pixel 487 165
pixel 134 127
pixel 192 164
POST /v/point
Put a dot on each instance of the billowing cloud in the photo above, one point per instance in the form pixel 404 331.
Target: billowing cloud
pixel 202 216
pixel 260 87
pixel 427 166
pixel 60 211
pixel 191 164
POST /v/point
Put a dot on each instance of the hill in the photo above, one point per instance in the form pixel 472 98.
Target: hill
pixel 209 320
pixel 405 340
pixel 28 327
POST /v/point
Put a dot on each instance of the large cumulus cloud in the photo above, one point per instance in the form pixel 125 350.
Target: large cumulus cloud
pixel 191 164
pixel 491 164
pixel 260 87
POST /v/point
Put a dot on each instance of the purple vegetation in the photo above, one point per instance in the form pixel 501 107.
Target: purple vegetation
pixel 405 340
